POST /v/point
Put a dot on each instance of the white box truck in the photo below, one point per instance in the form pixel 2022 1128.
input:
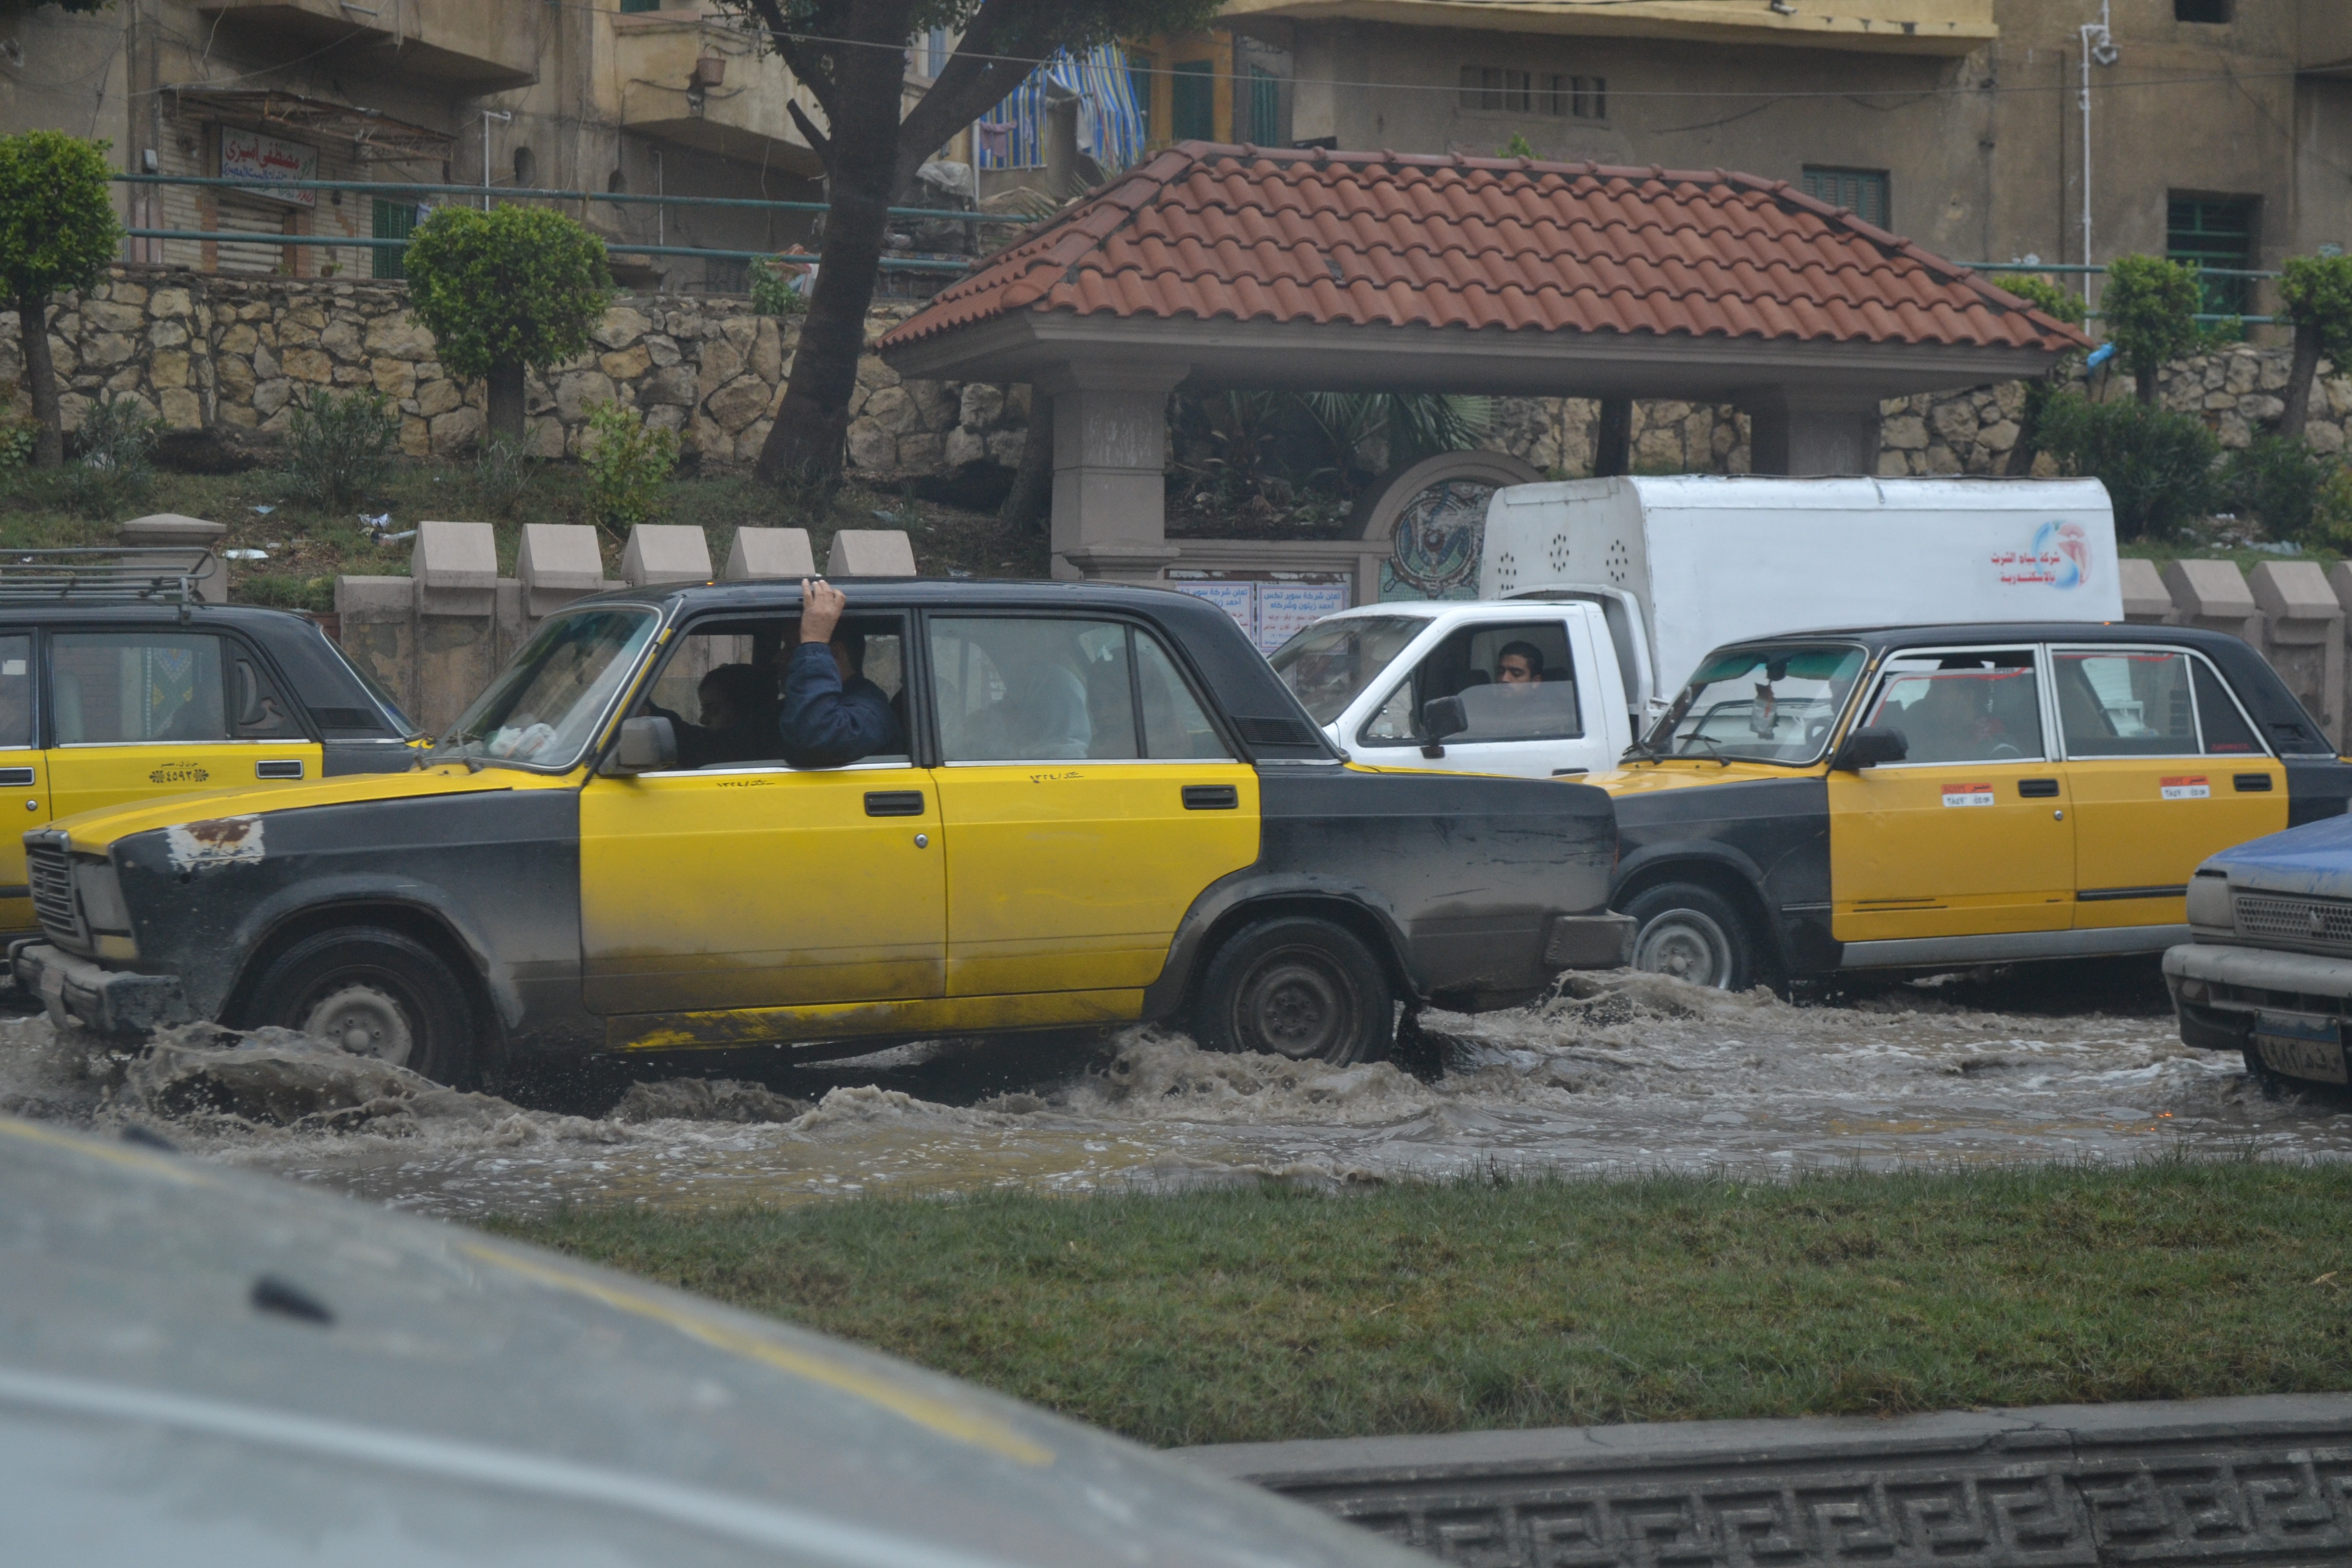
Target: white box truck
pixel 1618 587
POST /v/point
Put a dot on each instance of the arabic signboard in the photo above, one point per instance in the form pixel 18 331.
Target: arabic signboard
pixel 1272 607
pixel 266 161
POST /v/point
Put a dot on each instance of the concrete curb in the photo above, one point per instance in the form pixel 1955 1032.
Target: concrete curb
pixel 2205 1482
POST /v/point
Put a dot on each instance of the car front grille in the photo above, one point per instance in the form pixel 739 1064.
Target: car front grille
pixel 49 869
pixel 2305 922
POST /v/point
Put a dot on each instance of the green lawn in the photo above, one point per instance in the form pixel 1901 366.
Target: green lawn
pixel 308 549
pixel 1271 1312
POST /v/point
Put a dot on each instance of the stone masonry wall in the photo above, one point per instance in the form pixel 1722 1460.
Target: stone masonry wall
pixel 200 350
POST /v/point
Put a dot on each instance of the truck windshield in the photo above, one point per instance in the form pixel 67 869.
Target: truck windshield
pixel 1765 705
pixel 542 712
pixel 1331 663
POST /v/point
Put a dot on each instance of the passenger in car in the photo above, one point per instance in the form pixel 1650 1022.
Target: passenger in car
pixel 1519 664
pixel 738 705
pixel 832 715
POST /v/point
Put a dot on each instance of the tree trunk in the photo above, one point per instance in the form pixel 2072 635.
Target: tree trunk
pixel 41 383
pixel 1612 446
pixel 2029 429
pixel 2306 370
pixel 1032 496
pixel 862 175
pixel 505 400
pixel 2145 379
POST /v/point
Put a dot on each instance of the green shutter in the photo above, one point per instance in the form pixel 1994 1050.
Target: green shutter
pixel 1265 107
pixel 2214 234
pixel 393 220
pixel 1863 191
pixel 1139 87
pixel 1193 108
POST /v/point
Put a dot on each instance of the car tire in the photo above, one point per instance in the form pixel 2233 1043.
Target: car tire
pixel 1299 987
pixel 1694 934
pixel 373 992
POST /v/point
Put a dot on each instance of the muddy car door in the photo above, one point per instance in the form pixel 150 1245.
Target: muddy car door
pixel 1088 797
pixel 164 711
pixel 735 879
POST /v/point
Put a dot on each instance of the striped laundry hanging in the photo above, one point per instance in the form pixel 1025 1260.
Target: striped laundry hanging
pixel 1109 127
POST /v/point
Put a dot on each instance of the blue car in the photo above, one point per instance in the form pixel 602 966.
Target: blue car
pixel 2269 971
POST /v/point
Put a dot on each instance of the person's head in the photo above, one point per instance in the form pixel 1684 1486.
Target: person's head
pixel 1519 664
pixel 735 695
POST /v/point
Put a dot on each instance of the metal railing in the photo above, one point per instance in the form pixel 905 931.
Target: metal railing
pixel 2100 269
pixel 470 194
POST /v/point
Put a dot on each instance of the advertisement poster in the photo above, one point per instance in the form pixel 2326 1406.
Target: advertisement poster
pixel 266 161
pixel 1238 600
pixel 1286 609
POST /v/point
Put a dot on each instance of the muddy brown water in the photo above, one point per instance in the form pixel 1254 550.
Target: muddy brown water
pixel 1643 1075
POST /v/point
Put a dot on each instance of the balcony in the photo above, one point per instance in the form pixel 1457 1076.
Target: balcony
pixel 703 84
pixel 1888 26
pixel 477 46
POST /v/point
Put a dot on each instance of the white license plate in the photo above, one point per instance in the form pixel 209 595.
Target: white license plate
pixel 2301 1050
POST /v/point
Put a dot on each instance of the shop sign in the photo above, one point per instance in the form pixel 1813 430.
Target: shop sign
pixel 266 161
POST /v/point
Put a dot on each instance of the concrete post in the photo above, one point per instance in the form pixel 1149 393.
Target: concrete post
pixel 171 531
pixel 454 569
pixel 2144 600
pixel 1798 432
pixel 2305 636
pixel 558 563
pixel 770 553
pixel 870 552
pixel 664 552
pixel 1110 441
pixel 2213 595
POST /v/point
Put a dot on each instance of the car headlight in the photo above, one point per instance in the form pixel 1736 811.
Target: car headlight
pixel 101 897
pixel 2209 901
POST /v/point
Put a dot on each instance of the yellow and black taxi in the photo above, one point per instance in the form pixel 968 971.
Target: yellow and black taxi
pixel 1916 796
pixel 116 691
pixel 1095 805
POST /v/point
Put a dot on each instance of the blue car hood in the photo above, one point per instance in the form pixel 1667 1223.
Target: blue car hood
pixel 2314 859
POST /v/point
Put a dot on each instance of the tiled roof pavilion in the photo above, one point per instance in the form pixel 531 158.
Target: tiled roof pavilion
pixel 1212 266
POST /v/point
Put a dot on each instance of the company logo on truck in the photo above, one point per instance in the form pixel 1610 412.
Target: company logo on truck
pixel 2060 555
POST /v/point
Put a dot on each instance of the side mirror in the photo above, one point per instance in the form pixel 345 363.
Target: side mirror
pixel 645 745
pixel 1869 746
pixel 1441 717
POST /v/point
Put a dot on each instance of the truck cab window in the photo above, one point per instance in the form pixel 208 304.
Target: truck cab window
pixel 1516 682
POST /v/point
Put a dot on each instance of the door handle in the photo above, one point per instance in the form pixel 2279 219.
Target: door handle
pixel 16 778
pixel 2254 783
pixel 894 803
pixel 289 768
pixel 1211 797
pixel 2037 789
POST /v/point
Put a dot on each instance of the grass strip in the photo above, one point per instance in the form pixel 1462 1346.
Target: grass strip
pixel 1272 1313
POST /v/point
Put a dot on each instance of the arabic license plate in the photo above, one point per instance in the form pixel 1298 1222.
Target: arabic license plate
pixel 2302 1049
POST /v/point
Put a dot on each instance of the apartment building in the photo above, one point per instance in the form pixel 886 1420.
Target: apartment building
pixel 2215 129
pixel 609 96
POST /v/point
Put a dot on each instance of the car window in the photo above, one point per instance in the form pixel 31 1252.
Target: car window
pixel 722 686
pixel 1774 704
pixel 2125 702
pixel 256 711
pixel 542 711
pixel 2220 721
pixel 1515 680
pixel 16 691
pixel 1331 663
pixel 137 688
pixel 1039 689
pixel 1976 706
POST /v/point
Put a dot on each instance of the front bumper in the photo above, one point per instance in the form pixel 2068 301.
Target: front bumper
pixel 108 1001
pixel 1589 941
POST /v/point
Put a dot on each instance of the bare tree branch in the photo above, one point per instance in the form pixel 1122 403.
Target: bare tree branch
pixel 805 67
pixel 816 138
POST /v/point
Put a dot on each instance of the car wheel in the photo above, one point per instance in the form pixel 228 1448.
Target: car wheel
pixel 376 993
pixel 1694 934
pixel 1299 987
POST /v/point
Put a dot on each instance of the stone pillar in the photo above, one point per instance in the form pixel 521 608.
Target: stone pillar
pixel 170 531
pixel 558 563
pixel 871 552
pixel 1798 432
pixel 2144 600
pixel 454 569
pixel 1110 446
pixel 770 553
pixel 2305 628
pixel 664 552
pixel 2213 595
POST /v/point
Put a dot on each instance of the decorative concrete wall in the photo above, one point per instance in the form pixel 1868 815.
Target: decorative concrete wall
pixel 202 350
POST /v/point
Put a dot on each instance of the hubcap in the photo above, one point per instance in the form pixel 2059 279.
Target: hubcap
pixel 1294 1006
pixel 1687 945
pixel 364 1021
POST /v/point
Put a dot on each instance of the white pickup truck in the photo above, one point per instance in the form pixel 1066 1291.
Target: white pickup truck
pixel 1621 586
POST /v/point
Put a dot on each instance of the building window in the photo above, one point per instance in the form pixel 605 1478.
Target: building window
pixel 2214 231
pixel 936 52
pixel 2213 13
pixel 393 220
pixel 525 168
pixel 1861 190
pixel 1491 90
pixel 637 7
pixel 1264 106
pixel 1139 87
pixel 1193 101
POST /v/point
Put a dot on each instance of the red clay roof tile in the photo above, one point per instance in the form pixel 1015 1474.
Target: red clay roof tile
pixel 1204 231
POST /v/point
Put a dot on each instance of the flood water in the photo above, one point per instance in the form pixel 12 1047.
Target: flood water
pixel 1641 1075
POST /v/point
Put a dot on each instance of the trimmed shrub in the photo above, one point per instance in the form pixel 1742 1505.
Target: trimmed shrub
pixel 628 462
pixel 2157 464
pixel 503 291
pixel 117 441
pixel 2280 481
pixel 2150 308
pixel 336 445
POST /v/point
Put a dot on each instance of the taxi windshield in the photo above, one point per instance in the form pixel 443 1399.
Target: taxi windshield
pixel 1331 664
pixel 547 707
pixel 1764 705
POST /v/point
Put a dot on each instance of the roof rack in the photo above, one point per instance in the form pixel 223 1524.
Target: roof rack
pixel 163 576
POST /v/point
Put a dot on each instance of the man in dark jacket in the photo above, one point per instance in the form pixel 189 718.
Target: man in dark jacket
pixel 832 715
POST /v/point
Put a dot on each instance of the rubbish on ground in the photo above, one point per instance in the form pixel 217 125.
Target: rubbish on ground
pixel 395 538
pixel 265 510
pixel 246 554
pixel 2281 547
